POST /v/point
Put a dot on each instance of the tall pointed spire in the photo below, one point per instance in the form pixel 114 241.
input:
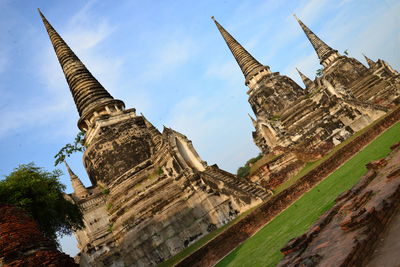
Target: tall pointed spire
pixel 247 63
pixel 307 82
pixel 79 189
pixel 253 120
pixel 370 62
pixel 89 95
pixel 323 50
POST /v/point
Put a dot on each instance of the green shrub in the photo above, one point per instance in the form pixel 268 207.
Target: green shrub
pixel 40 193
pixel 244 171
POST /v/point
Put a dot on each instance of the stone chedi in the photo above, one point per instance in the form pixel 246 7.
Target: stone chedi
pixel 346 98
pixel 151 194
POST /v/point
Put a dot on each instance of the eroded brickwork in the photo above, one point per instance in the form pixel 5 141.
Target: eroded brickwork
pixel 23 244
pixel 348 234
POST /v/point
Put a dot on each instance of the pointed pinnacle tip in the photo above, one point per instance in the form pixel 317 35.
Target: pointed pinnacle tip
pixel 42 16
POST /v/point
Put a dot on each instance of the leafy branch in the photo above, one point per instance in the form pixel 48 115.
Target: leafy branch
pixel 319 72
pixel 77 146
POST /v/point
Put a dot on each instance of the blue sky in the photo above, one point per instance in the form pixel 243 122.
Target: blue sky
pixel 168 60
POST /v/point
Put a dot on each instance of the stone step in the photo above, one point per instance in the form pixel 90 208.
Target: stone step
pixel 363 82
pixel 360 87
pixel 234 182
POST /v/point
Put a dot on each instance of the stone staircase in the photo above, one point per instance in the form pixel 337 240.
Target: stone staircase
pixel 365 104
pixel 236 183
pixel 366 88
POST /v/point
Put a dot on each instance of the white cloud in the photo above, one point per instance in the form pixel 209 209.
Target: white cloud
pixel 168 57
pixel 312 9
pixel 228 71
pixel 83 37
pixel 32 115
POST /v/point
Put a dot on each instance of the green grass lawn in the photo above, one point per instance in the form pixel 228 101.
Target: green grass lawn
pixel 263 248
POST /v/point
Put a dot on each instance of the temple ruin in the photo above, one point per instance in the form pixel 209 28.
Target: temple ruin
pixel 151 195
pixel 296 125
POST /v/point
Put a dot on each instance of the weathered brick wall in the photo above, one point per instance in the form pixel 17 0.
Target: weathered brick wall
pixel 23 244
pixel 232 237
pixel 282 175
pixel 348 233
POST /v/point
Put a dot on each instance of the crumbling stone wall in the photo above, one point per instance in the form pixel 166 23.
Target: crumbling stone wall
pixel 380 85
pixel 23 244
pixel 273 94
pixel 348 234
pixel 279 177
pixel 116 149
pixel 345 71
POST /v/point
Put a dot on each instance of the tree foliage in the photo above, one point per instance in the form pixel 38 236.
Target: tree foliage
pixel 244 171
pixel 41 194
pixel 77 146
pixel 319 72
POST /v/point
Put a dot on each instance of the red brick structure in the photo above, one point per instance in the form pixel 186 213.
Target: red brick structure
pixel 361 229
pixel 23 244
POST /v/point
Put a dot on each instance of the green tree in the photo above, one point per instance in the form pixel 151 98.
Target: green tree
pixel 319 72
pixel 244 171
pixel 77 146
pixel 41 194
